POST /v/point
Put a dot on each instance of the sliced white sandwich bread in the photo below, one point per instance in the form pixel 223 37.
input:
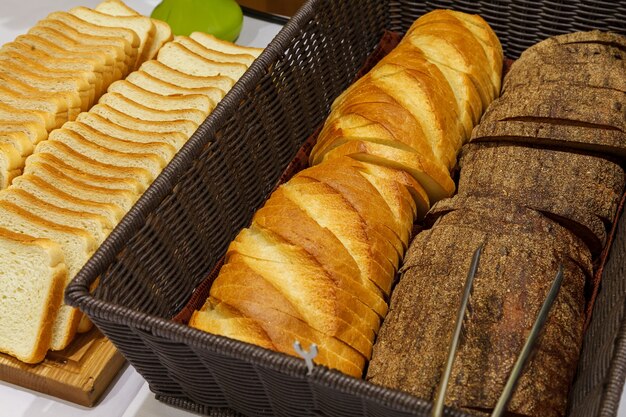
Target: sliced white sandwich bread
pixel 23 97
pixel 216 44
pixel 176 139
pixel 150 83
pixel 97 226
pixel 32 278
pixel 47 191
pixel 163 149
pixel 19 140
pixel 176 56
pixel 172 76
pixel 163 32
pixel 123 199
pixel 13 114
pixel 186 127
pixel 131 39
pixel 140 177
pixel 139 111
pixel 86 177
pixel 77 246
pixel 151 162
pixel 77 89
pixel 11 163
pixel 35 132
pixel 161 102
pixel 43 66
pixel 141 25
pixel 213 55
pixel 125 55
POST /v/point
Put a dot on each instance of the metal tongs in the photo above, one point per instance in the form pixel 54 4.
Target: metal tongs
pixel 500 408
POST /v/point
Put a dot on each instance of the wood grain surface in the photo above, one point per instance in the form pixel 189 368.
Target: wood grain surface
pixel 79 374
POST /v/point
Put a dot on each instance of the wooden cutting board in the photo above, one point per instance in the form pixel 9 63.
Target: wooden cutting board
pixel 79 374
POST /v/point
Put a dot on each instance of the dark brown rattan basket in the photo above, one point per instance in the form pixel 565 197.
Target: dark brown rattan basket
pixel 171 239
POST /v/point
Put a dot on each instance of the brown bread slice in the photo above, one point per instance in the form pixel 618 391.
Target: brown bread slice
pixel 516 269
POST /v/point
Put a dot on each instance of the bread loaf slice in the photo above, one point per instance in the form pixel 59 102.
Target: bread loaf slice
pixel 132 176
pixel 139 111
pixel 97 226
pixel 132 42
pixel 11 163
pixel 107 127
pixel 32 277
pixel 47 190
pixel 123 199
pixel 160 102
pixel 186 127
pixel 12 114
pixel 51 106
pixel 216 44
pixel 217 56
pixel 84 175
pixel 151 162
pixel 176 56
pixel 71 39
pixel 77 246
pixel 172 76
pixel 19 140
pixel 34 131
pixel 150 83
pixel 141 25
pixel 163 33
pixel 162 149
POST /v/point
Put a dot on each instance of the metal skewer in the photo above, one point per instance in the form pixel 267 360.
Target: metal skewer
pixel 528 346
pixel 437 410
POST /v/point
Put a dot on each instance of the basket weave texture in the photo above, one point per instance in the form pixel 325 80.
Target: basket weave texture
pixel 172 238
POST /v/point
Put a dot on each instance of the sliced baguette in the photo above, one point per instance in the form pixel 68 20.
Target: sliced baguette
pixel 159 102
pixel 211 42
pixel 139 111
pixel 176 56
pixel 77 246
pixel 97 226
pixel 176 139
pixel 87 165
pixel 157 126
pixel 32 278
pixel 163 149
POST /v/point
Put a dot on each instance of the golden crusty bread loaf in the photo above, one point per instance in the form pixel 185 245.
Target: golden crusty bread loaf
pixel 418 105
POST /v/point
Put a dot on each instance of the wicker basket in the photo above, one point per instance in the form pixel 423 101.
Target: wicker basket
pixel 171 239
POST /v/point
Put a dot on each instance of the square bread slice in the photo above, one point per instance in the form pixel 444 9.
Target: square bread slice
pixel 172 76
pixel 150 83
pixel 186 127
pixel 216 44
pixel 163 149
pixel 139 177
pixel 12 114
pixel 77 246
pixel 24 97
pixel 11 163
pixel 35 132
pixel 140 111
pixel 32 278
pixel 160 102
pixel 97 226
pixel 176 56
pixel 163 32
pixel 141 25
pixel 213 55
pixel 87 176
pixel 19 140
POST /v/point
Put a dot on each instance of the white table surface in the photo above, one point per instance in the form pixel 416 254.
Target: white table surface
pixel 128 395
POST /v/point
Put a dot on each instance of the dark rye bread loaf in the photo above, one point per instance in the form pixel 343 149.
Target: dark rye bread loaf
pixel 578 187
pixel 522 251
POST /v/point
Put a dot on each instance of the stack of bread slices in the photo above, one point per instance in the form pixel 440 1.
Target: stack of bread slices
pixel 80 181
